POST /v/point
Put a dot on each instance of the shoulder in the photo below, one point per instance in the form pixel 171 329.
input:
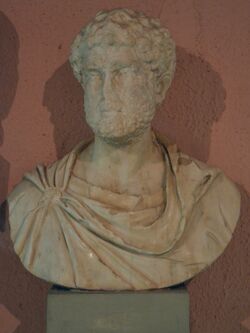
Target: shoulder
pixel 204 191
pixel 207 180
pixel 35 187
pixel 222 201
pixel 27 194
pixel 211 202
pixel 23 197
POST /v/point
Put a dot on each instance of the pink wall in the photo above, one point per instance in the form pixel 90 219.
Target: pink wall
pixel 207 112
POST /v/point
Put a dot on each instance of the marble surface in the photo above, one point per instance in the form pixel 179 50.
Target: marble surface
pixel 126 210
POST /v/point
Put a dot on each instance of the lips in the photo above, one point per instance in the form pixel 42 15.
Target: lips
pixel 111 112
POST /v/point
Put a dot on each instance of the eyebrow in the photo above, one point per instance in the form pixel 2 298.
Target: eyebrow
pixel 120 66
pixel 89 69
pixel 115 65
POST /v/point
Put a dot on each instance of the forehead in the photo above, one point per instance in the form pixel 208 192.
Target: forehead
pixel 103 56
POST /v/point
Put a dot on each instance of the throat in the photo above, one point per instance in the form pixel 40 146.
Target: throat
pixel 137 168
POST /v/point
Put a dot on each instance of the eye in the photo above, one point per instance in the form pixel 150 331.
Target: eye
pixel 92 74
pixel 126 70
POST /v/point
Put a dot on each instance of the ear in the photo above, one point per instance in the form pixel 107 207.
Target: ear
pixel 160 90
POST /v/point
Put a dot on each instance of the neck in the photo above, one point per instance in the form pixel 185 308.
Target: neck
pixel 127 158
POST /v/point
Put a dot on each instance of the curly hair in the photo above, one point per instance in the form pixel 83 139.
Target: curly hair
pixel 152 43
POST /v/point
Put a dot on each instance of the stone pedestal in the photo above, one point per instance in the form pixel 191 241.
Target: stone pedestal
pixel 160 311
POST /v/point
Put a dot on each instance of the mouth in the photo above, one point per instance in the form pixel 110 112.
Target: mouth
pixel 111 111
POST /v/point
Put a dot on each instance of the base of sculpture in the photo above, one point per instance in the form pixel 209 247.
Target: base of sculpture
pixel 82 311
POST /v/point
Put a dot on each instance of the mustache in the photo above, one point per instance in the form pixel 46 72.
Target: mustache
pixel 106 106
pixel 109 110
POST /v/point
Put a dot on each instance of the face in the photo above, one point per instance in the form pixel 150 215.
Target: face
pixel 119 97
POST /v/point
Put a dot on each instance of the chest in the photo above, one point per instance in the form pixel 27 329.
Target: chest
pixel 145 181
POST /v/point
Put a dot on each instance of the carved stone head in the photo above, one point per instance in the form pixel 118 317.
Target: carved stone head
pixel 125 62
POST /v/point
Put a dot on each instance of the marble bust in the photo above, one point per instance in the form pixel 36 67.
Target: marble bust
pixel 126 210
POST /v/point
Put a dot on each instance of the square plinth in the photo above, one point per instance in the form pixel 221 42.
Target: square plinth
pixel 160 311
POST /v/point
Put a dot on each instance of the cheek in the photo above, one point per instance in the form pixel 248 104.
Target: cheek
pixel 92 95
pixel 138 92
pixel 138 88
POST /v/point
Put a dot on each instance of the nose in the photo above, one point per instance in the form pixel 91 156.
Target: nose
pixel 109 94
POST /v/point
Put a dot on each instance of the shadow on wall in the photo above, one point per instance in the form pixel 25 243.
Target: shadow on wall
pixel 63 98
pixel 9 45
pixel 23 294
pixel 20 292
pixel 195 100
pixel 222 291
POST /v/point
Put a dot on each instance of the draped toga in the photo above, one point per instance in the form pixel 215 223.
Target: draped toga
pixel 73 233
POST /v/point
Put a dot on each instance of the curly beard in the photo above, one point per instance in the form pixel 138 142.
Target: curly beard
pixel 120 127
